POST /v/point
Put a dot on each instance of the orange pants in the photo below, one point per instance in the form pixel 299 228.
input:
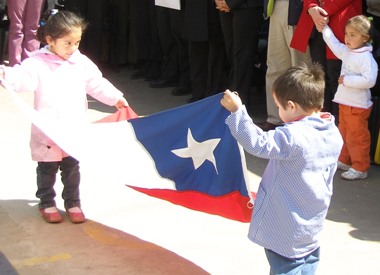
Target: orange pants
pixel 353 126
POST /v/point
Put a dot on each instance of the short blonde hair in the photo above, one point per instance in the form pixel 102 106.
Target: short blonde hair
pixel 361 24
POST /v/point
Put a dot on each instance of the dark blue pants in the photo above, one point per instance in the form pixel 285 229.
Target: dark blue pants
pixel 70 177
pixel 301 266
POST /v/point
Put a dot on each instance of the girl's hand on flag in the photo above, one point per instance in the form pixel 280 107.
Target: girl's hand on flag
pixel 121 103
pixel 231 101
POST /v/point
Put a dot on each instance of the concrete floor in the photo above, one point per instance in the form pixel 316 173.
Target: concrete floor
pixel 130 233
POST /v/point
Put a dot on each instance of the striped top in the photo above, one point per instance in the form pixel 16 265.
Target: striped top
pixel 296 187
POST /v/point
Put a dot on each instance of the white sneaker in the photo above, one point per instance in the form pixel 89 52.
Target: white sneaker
pixel 352 174
pixel 343 166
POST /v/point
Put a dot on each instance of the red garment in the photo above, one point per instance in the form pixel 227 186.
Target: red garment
pixel 353 126
pixel 339 12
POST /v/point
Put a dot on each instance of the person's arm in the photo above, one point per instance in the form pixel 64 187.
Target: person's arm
pixel 254 140
pixel 21 78
pixel 333 43
pixel 99 87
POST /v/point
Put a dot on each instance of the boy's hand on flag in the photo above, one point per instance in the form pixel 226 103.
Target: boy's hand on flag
pixel 231 101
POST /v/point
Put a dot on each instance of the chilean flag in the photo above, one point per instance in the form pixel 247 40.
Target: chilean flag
pixel 185 155
pixel 192 146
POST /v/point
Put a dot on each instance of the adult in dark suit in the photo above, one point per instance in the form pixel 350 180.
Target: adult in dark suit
pixel 206 48
pixel 175 66
pixel 241 22
pixel 149 52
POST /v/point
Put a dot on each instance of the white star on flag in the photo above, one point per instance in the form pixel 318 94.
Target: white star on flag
pixel 198 151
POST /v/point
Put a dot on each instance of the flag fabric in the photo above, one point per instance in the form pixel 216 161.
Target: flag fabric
pixel 185 155
pixel 192 146
pixel 124 114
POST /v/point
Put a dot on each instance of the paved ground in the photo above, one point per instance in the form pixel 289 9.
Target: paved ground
pixel 130 233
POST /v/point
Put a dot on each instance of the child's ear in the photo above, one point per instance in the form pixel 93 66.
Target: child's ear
pixel 365 38
pixel 291 104
pixel 49 40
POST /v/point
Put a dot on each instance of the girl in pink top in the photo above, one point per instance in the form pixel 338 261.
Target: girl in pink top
pixel 61 77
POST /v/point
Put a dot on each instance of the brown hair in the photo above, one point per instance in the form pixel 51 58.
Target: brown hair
pixel 303 85
pixel 58 24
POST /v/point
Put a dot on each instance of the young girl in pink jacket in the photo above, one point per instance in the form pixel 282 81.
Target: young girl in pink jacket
pixel 61 77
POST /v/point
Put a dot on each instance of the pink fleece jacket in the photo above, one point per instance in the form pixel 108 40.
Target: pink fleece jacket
pixel 60 87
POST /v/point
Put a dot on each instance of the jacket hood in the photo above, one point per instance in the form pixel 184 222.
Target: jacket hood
pixel 49 56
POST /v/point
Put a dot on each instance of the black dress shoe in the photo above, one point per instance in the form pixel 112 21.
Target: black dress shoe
pixel 267 126
pixel 180 91
pixel 152 77
pixel 138 75
pixel 162 83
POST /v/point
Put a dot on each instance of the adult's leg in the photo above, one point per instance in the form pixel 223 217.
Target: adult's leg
pixel 333 68
pixel 155 55
pixel 318 54
pixel 32 15
pixel 216 58
pixel 169 68
pixel 376 36
pixel 16 9
pixel 198 60
pixel 177 25
pixel 226 26
pixel 140 20
pixel 280 56
pixel 246 26
pixel 216 53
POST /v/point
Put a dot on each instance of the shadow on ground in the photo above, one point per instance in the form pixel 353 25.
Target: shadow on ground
pixel 32 246
pixel 358 203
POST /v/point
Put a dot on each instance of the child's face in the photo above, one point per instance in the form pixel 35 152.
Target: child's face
pixel 65 46
pixel 353 38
